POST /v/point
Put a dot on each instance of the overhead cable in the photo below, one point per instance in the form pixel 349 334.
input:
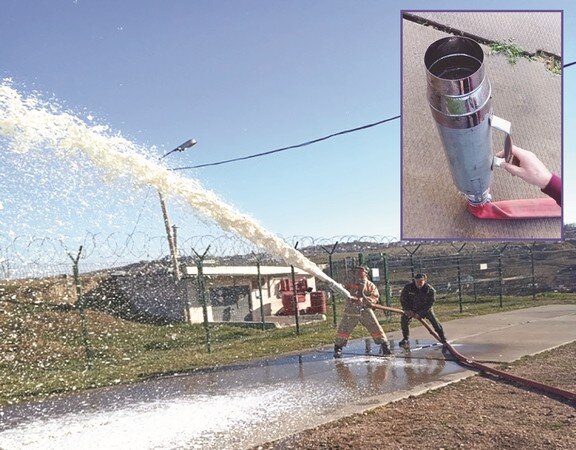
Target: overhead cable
pixel 257 155
pixel 289 147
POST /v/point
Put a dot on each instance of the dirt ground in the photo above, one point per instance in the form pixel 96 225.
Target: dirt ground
pixel 477 413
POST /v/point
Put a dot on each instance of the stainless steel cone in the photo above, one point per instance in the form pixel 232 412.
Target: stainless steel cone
pixel 459 98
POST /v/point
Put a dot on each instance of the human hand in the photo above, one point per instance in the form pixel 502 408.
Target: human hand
pixel 529 167
pixel 367 301
pixel 410 314
pixel 356 300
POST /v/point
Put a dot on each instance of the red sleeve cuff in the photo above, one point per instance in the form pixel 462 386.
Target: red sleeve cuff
pixel 554 189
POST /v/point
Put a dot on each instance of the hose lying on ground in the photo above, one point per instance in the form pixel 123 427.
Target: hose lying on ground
pixel 483 368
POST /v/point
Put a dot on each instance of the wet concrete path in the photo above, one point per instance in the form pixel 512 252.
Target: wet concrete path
pixel 233 407
pixel 240 406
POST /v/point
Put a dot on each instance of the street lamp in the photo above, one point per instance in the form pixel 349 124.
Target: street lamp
pixel 170 234
pixel 189 143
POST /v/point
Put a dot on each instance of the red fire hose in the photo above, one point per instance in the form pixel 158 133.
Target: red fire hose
pixel 483 368
pixel 517 209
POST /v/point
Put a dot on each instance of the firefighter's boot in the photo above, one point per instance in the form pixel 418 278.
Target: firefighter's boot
pixel 385 349
pixel 337 351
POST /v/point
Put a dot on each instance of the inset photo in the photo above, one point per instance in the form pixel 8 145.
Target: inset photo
pixel 481 125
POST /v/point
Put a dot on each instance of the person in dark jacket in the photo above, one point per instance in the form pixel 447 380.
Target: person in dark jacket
pixel 417 300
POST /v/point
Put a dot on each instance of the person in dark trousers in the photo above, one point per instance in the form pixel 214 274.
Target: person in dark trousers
pixel 417 300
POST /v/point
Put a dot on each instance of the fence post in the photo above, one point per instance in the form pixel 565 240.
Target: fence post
pixel 387 284
pixel 295 300
pixel 80 305
pixel 179 284
pixel 259 275
pixel 412 257
pixel 458 250
pixel 331 267
pixel 474 272
pixel 387 281
pixel 531 249
pixel 260 294
pixel 202 296
pixel 500 250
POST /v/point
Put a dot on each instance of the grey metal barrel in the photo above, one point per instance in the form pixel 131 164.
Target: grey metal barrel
pixel 459 98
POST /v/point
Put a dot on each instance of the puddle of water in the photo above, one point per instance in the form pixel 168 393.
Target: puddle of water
pixel 234 407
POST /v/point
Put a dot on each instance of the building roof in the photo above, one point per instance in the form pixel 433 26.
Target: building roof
pixel 244 270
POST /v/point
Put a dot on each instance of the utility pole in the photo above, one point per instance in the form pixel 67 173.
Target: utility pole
pixel 170 230
pixel 170 237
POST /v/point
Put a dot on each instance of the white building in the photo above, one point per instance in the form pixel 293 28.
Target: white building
pixel 232 292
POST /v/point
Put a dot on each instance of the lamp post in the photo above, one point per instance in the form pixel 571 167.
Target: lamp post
pixel 169 233
pixel 189 143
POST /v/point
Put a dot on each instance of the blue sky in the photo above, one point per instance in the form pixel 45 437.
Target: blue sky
pixel 240 77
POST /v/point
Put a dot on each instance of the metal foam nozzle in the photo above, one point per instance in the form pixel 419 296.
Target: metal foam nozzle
pixel 459 98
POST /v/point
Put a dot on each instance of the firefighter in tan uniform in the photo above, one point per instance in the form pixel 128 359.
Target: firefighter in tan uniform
pixel 358 310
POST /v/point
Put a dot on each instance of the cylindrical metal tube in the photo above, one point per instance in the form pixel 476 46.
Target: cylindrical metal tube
pixel 459 98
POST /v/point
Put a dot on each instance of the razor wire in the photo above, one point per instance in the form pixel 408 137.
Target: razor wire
pixel 482 267
pixel 32 255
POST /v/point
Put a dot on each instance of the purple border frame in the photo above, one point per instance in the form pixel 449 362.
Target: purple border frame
pixel 470 239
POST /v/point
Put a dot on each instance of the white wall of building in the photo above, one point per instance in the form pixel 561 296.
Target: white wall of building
pixel 224 276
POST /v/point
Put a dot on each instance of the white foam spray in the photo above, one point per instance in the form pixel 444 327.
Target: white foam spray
pixel 29 124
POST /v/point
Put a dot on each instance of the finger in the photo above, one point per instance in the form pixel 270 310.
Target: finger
pixel 519 152
pixel 511 168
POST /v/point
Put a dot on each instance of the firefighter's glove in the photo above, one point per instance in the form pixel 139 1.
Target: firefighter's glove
pixel 368 302
pixel 356 300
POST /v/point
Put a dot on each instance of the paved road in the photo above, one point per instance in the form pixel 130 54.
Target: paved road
pixel 239 406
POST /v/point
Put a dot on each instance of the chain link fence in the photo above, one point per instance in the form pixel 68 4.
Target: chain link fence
pixel 459 271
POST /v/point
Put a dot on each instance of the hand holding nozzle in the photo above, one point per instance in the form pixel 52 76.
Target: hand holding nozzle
pixel 356 300
pixel 411 314
pixel 526 166
pixel 367 301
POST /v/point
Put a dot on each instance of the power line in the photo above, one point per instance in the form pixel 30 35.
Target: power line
pixel 242 158
pixel 291 146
